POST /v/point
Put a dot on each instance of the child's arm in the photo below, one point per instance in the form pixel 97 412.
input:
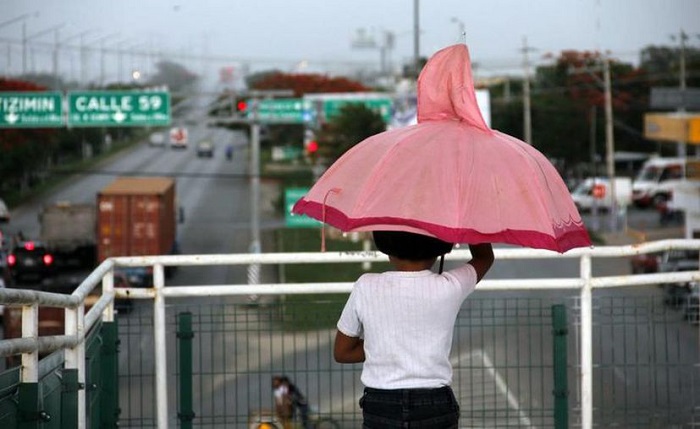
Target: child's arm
pixel 348 349
pixel 482 258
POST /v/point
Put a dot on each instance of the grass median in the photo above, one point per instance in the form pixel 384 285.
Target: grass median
pixel 317 311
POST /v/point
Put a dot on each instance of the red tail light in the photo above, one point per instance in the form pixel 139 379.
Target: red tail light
pixel 11 259
pixel 29 245
pixel 48 259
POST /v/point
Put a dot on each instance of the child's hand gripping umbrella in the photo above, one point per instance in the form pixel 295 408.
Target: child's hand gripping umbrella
pixel 449 176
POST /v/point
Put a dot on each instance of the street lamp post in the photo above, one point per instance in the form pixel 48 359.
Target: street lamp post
pixel 76 36
pixel 55 29
pixel 102 55
pixel 22 18
pixel 254 121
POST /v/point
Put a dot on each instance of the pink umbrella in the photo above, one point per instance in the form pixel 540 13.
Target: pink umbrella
pixel 449 176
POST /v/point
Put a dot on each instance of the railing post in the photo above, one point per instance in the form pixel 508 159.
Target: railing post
pixel 185 335
pixel 75 357
pixel 109 391
pixel 586 344
pixel 29 406
pixel 561 384
pixel 161 355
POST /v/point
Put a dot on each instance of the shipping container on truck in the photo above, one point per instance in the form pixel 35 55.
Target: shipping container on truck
pixel 136 216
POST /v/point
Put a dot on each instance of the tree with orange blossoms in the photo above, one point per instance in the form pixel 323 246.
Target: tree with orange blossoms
pixel 302 83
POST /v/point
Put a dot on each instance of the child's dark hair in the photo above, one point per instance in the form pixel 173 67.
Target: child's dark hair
pixel 410 246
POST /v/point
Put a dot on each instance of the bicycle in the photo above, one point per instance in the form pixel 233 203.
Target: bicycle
pixel 316 421
pixel 265 419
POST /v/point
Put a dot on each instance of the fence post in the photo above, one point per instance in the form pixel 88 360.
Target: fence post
pixel 185 335
pixel 29 403
pixel 69 398
pixel 561 383
pixel 109 391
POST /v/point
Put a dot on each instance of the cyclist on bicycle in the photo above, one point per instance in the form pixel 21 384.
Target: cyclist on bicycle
pixel 289 400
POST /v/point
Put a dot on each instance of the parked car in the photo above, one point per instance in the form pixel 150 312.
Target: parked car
pixel 4 212
pixel 29 261
pixel 205 148
pixel 675 294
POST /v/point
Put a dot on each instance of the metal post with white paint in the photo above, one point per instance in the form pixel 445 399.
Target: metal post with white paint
pixel 161 357
pixel 586 344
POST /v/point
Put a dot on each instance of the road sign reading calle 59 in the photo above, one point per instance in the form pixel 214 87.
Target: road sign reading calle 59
pixel 118 108
pixel 31 109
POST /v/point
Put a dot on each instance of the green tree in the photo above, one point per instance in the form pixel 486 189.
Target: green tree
pixel 564 96
pixel 355 123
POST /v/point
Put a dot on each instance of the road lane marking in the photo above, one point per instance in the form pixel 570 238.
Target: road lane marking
pixel 500 383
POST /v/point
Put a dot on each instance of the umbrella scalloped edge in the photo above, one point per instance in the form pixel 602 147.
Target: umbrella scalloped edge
pixel 565 237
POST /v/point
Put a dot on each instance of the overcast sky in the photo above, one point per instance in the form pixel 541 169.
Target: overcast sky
pixel 318 32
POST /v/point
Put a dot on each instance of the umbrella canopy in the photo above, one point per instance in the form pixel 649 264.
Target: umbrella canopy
pixel 449 176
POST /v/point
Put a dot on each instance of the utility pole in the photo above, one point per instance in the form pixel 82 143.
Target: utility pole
pixel 609 135
pixel 527 116
pixel 682 86
pixel 610 143
pixel 254 121
pixel 416 38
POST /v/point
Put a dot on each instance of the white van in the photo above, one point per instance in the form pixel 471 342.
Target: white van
pixel 595 192
pixel 648 187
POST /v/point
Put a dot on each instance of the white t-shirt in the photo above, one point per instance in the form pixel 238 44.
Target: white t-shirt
pixel 407 319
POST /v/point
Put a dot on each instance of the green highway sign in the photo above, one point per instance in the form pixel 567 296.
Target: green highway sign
pixel 118 108
pixel 284 110
pixel 291 196
pixel 31 109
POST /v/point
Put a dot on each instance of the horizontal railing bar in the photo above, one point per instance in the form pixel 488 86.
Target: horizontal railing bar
pixel 46 299
pixel 138 293
pixel 645 279
pixel 486 285
pixel 46 344
pixel 258 289
pixel 375 256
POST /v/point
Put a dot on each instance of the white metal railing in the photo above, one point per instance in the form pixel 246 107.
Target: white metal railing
pixel 78 323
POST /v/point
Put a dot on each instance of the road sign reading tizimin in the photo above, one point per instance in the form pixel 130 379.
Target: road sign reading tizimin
pixel 31 109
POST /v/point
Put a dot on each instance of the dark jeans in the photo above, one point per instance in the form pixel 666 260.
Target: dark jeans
pixel 409 408
pixel 303 414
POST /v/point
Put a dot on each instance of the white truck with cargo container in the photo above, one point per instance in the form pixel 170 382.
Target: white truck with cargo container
pixel 650 188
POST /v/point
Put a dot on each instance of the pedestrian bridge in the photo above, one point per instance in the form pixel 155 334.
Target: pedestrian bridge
pixel 594 346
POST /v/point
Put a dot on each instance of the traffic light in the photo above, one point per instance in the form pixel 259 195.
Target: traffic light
pixel 311 147
pixel 241 107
